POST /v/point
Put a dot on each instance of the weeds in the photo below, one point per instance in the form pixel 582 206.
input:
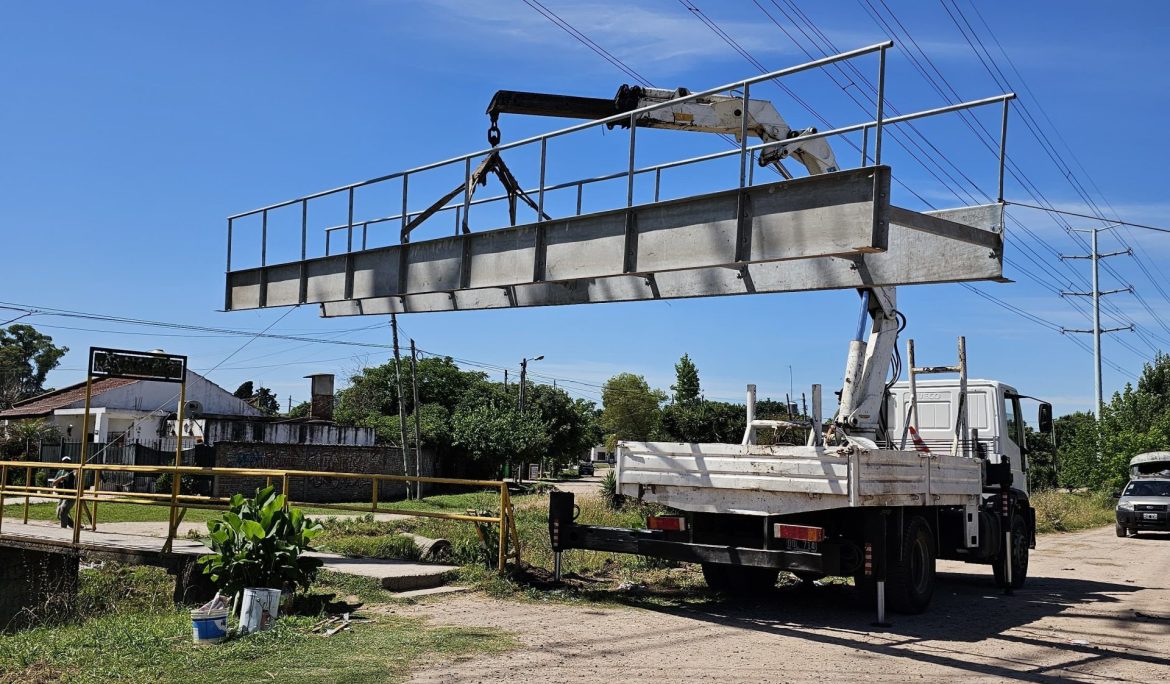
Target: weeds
pixel 1058 511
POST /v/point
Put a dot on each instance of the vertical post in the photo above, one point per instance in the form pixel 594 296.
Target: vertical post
pixel 912 415
pixel 229 247
pixel 176 476
pixel 960 442
pixel 466 192
pixel 1098 400
pixel 401 402
pixel 523 376
pixel 630 170
pixel 865 145
pixel 503 551
pixel 817 417
pixel 580 188
pixel 84 451
pixel 264 238
pixel 284 489
pixel 417 424
pixel 405 191
pixel 349 225
pixel 540 190
pixel 657 183
pixel 3 486
pixel 881 103
pixel 749 434
pixel 28 482
pixel 1002 148
pixel 304 229
pixel 743 133
pixel 374 495
pixel 458 213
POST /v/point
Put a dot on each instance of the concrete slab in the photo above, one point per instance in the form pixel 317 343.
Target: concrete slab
pixel 434 591
pixel 140 541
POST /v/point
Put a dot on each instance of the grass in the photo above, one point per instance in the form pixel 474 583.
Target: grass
pixel 1060 511
pixel 129 632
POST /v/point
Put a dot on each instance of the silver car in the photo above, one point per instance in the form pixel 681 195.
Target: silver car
pixel 1144 505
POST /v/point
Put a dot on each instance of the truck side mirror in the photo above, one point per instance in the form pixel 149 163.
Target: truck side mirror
pixel 1045 418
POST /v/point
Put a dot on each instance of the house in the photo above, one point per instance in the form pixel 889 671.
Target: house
pixel 123 410
pixel 133 412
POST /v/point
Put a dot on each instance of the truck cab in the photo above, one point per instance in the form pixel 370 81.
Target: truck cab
pixel 994 414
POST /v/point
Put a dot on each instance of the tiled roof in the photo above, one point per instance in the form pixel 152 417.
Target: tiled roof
pixel 46 403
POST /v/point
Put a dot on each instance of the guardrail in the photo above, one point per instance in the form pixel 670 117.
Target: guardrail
pixel 178 503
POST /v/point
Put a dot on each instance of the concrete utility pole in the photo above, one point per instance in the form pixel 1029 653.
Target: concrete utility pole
pixel 417 430
pixel 524 378
pixel 1096 294
pixel 401 400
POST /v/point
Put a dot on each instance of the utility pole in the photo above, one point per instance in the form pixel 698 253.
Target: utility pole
pixel 417 430
pixel 401 401
pixel 1095 256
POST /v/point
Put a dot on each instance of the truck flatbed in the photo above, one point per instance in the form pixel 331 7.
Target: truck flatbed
pixel 748 479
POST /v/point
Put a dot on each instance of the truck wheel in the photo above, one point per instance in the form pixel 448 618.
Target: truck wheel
pixel 1121 531
pixel 910 576
pixel 1019 556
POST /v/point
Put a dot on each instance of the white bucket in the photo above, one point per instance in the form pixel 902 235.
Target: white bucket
pixel 259 610
pixel 209 627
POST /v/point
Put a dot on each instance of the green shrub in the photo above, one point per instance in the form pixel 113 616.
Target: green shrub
pixel 259 542
pixel 1059 511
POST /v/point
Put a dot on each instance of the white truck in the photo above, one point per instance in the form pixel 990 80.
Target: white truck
pixel 901 475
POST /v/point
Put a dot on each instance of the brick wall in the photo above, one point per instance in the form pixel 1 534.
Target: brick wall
pixel 319 457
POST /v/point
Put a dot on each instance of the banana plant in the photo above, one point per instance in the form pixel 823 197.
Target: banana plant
pixel 258 542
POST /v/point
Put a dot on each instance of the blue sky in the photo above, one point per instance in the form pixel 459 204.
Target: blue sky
pixel 129 131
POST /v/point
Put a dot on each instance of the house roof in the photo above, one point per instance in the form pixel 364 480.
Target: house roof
pixel 45 404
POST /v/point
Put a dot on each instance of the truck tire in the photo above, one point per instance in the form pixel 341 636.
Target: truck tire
pixel 1121 531
pixel 739 580
pixel 1019 556
pixel 910 575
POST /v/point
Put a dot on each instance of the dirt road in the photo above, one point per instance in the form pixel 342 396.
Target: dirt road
pixel 1095 608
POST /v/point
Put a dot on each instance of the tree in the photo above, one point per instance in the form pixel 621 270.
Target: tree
pixel 260 397
pixel 686 384
pixel 245 391
pixel 631 409
pixel 20 436
pixel 571 425
pixel 495 435
pixel 26 357
pixel 704 421
pixel 301 410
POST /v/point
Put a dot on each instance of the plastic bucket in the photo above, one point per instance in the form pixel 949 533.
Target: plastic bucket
pixel 259 610
pixel 209 627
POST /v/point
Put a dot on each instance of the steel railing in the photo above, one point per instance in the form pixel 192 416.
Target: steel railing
pixel 462 206
pixel 91 495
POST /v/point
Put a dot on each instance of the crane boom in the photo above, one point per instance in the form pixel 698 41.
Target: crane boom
pixel 711 114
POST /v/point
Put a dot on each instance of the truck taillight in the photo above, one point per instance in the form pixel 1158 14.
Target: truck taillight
pixel 798 532
pixel 669 523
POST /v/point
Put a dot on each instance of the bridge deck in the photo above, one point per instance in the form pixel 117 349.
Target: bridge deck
pixel 146 549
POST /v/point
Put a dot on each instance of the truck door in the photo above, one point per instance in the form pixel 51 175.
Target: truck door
pixel 1013 445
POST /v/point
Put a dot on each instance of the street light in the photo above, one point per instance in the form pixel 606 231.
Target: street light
pixel 524 376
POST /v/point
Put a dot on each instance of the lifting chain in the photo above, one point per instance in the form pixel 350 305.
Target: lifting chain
pixel 494 132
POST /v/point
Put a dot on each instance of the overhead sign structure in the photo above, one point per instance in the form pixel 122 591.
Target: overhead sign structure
pixel 136 365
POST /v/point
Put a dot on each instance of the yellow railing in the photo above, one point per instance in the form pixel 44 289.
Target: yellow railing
pixel 178 503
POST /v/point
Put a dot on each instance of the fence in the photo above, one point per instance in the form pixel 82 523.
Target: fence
pixel 159 452
pixel 88 498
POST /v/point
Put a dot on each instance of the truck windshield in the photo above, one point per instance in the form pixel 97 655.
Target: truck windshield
pixel 1148 488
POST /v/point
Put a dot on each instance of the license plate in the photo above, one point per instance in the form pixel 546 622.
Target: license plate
pixel 800 545
pixel 1149 516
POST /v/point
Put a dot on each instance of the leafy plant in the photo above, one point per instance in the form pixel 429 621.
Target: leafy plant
pixel 259 542
pixel 609 492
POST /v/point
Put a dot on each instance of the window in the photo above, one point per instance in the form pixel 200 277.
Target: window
pixel 1148 488
pixel 1011 415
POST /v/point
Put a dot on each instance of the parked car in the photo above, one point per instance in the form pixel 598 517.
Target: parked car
pixel 1144 505
pixel 584 468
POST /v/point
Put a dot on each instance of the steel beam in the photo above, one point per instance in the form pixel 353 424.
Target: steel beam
pixel 839 214
pixel 915 256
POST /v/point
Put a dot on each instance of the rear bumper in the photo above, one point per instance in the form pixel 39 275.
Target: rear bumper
pixel 823 558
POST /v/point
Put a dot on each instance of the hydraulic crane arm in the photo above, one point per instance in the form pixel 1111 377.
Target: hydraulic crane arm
pixel 712 114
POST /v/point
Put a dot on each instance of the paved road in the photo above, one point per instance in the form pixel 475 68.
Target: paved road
pixel 1095 609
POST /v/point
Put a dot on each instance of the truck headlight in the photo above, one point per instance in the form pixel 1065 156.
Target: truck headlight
pixel 1125 505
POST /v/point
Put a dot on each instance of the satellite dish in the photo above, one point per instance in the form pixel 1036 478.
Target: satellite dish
pixel 192 408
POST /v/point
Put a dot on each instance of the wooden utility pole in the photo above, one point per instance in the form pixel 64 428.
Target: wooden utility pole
pixel 417 430
pixel 401 400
